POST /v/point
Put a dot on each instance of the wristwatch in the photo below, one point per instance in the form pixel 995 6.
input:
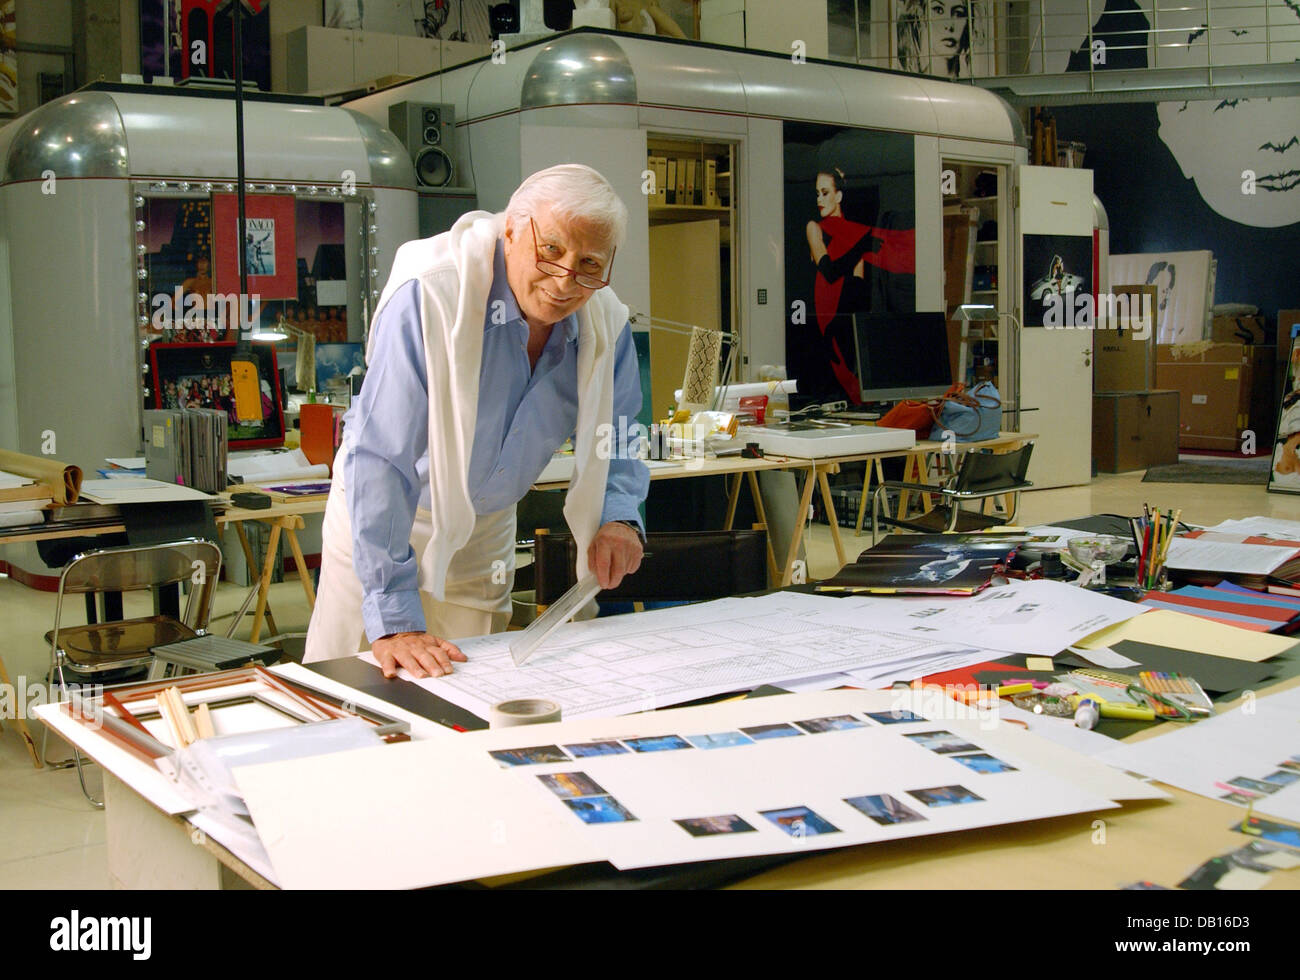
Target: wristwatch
pixel 635 527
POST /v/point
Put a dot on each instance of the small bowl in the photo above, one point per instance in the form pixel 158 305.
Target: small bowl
pixel 1106 547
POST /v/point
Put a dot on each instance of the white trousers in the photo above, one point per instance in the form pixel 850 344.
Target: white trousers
pixel 478 581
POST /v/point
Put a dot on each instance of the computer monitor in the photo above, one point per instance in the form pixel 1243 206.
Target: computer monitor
pixel 901 355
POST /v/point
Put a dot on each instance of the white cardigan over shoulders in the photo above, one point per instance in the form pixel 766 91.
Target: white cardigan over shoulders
pixel 454 271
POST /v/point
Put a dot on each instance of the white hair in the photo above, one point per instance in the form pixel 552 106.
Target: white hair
pixel 575 193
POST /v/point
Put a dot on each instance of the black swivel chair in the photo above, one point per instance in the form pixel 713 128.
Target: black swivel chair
pixel 980 475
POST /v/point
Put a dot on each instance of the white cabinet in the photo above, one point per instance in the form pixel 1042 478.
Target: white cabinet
pixel 326 59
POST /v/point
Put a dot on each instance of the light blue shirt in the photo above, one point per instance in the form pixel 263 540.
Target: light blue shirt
pixel 523 416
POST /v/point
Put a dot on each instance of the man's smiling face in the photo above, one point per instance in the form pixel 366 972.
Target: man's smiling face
pixel 545 299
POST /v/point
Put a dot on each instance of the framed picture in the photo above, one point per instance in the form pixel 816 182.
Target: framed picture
pixel 198 376
pixel 334 362
pixel 270 245
pixel 1284 475
pixel 1057 275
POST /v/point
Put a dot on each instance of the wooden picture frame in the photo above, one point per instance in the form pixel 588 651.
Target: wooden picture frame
pixel 1284 469
pixel 119 713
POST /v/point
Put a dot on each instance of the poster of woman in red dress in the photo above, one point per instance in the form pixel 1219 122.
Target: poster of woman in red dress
pixel 856 255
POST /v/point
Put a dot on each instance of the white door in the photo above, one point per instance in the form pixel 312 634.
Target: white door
pixel 1056 220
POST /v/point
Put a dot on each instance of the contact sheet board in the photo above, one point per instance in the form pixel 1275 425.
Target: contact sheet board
pixel 763 776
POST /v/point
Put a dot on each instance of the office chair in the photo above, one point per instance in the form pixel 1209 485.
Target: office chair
pixel 109 651
pixel 981 474
pixel 688 566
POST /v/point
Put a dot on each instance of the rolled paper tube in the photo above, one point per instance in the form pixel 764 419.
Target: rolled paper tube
pixel 63 480
pixel 523 711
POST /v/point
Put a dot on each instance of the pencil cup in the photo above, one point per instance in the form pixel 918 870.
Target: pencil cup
pixel 523 711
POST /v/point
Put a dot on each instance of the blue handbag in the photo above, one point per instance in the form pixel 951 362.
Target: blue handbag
pixel 970 416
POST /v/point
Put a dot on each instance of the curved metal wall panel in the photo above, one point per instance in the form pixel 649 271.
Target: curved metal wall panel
pixel 79 135
pixel 579 68
pixel 170 136
pixel 969 111
pixel 390 163
pixel 684 76
pixel 779 88
pixel 877 100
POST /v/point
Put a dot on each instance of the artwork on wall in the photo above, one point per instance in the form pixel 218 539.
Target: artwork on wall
pixel 8 58
pixel 449 20
pixel 850 245
pixel 195 39
pixel 1184 288
pixel 270 245
pixel 198 376
pixel 1058 272
pixel 1284 477
pixel 944 38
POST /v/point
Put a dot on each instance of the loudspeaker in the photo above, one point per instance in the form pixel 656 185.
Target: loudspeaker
pixel 503 18
pixel 428 131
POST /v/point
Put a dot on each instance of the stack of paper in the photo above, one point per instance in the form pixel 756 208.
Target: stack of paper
pixel 264 467
pixel 782 775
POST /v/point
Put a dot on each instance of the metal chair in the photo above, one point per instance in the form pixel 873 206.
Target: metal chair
pixel 980 475
pixel 108 650
pixel 687 566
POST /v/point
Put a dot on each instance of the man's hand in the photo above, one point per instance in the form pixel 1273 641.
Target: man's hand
pixel 421 654
pixel 615 551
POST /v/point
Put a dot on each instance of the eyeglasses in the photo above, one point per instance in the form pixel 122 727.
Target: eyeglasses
pixel 560 272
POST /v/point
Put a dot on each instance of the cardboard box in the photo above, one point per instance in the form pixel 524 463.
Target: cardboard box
pixel 1238 330
pixel 1123 362
pixel 1132 430
pixel 1224 389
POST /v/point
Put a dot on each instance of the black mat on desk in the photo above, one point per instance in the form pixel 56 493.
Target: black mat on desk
pixel 1218 675
pixel 369 679
pixel 159 523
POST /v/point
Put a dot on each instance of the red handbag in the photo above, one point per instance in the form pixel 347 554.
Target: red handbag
pixel 922 416
pixel 919 416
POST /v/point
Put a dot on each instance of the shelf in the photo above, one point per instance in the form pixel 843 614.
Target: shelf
pixel 667 212
pixel 983 292
pixel 986 242
pixel 977 200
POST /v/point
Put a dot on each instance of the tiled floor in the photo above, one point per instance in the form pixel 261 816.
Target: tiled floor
pixel 51 838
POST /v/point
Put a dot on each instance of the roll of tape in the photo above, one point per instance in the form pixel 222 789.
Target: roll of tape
pixel 523 711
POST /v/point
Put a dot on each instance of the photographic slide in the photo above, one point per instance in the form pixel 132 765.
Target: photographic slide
pixel 600 809
pixel 728 823
pixel 1291 764
pixel 771 731
pixel 583 750
pixel 984 763
pixel 884 809
pixel 942 742
pixel 836 723
pixel 1253 785
pixel 1270 830
pixel 945 795
pixel 719 740
pixel 536 755
pixel 799 821
pixel 1282 777
pixel 1238 798
pixel 572 784
pixel 895 717
pixel 659 743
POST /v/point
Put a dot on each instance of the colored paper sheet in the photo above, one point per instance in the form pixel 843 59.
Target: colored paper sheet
pixel 1164 627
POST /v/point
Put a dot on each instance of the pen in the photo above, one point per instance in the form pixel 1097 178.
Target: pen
pixel 1112 709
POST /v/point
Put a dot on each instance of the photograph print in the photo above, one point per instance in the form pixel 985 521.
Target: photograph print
pixel 850 245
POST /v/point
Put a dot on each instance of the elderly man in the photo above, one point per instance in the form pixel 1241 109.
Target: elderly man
pixel 492 344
